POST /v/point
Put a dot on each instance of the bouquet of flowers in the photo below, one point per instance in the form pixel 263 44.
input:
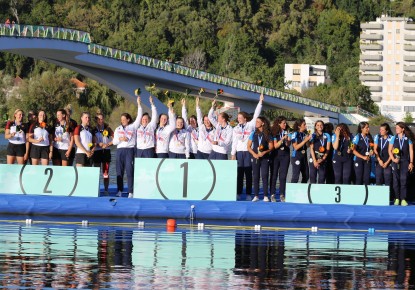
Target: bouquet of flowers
pixel 397 154
pixel 371 148
pixel 137 92
pixel 320 152
pixel 105 136
pixel 201 91
pixel 351 146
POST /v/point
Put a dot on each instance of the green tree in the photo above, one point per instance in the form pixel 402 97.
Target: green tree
pixel 408 118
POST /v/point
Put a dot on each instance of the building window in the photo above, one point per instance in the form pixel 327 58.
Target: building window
pixel 296 72
pixel 391 108
pixel 409 109
pixel 398 31
pixel 296 84
pixel 312 84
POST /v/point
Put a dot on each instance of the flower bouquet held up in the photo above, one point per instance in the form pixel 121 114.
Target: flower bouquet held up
pixel 397 155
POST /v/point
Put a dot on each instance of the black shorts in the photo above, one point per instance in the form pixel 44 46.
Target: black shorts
pixel 39 152
pixel 17 150
pixel 59 154
pixel 102 156
pixel 81 158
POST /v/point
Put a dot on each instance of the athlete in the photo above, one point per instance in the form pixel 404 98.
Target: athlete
pixel 167 124
pixel 320 144
pixel 179 145
pixel 63 140
pixel 206 134
pixel 342 154
pixel 18 148
pixel 193 129
pixel 40 137
pixel 239 151
pixel 383 160
pixel 85 142
pixel 222 141
pixel 145 132
pixel 259 145
pixel 300 141
pixel 363 151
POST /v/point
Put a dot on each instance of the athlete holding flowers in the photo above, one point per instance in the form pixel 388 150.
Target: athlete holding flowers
pixel 206 134
pixel 401 151
pixel 102 154
pixel 41 140
pixel 85 142
pixel 63 140
pixel 320 144
pixel 18 148
pixel 145 132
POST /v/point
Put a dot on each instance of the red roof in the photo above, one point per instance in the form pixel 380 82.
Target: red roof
pixel 78 83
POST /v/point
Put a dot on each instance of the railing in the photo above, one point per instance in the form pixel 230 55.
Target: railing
pixel 17 30
pixel 356 110
pixel 202 75
pixel 35 31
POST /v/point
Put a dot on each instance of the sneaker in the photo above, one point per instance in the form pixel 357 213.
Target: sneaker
pixel 255 199
pixel 105 175
pixel 130 195
pixel 282 198
pixel 396 202
pixel 248 198
pixel 106 193
pixel 404 203
pixel 266 199
pixel 273 199
pixel 119 194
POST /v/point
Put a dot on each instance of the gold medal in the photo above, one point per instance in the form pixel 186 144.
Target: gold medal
pixel 339 153
pixel 302 151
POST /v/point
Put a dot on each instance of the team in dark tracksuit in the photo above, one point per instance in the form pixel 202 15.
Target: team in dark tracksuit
pixel 299 141
pixel 363 150
pixel 402 155
pixel 383 160
pixel 320 144
pixel 342 154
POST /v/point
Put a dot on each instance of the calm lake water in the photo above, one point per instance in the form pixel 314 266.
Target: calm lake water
pixel 108 255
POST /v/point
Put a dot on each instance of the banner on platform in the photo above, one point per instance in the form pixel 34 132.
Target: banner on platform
pixel 49 180
pixel 337 194
pixel 185 179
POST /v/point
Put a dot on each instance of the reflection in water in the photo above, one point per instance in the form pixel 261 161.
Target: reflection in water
pixel 101 257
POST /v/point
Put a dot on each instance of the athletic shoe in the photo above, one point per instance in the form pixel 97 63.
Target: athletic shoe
pixel 106 193
pixel 130 195
pixel 273 199
pixel 266 199
pixel 119 194
pixel 248 198
pixel 255 199
pixel 396 202
pixel 282 198
pixel 105 175
pixel 404 203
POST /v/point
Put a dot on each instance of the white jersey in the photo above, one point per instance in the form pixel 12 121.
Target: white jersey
pixel 223 135
pixel 63 132
pixel 145 135
pixel 206 136
pixel 20 132
pixel 163 135
pixel 39 132
pixel 85 135
pixel 194 132
pixel 241 132
pixel 180 142
pixel 128 131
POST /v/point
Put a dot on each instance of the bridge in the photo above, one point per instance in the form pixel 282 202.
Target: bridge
pixel 124 71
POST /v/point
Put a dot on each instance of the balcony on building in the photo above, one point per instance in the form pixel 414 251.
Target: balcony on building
pixel 371 67
pixel 370 78
pixel 375 88
pixel 409 47
pixel 407 78
pixel 409 68
pixel 372 46
pixel 371 57
pixel 409 37
pixel 376 98
pixel 409 26
pixel 371 36
pixel 409 57
pixel 371 25
pixel 409 89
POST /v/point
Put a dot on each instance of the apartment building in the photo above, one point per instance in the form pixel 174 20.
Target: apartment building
pixel 387 64
pixel 300 77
